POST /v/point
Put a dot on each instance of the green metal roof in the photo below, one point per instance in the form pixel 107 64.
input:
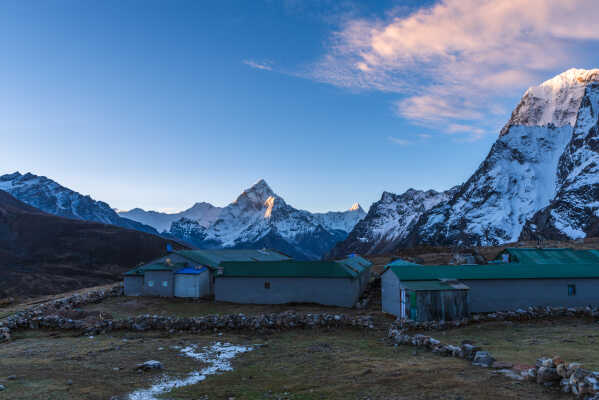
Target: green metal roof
pixel 431 286
pixel 135 272
pixel 287 268
pixel 552 256
pixel 213 258
pixel 399 261
pixel 355 263
pixel 155 267
pixel 494 271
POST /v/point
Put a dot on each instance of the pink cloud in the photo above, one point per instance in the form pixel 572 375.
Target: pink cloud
pixel 451 60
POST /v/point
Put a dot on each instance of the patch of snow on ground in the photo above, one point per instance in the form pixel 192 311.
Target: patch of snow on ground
pixel 218 357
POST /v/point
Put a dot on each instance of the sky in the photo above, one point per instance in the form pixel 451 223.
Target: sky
pixel 159 105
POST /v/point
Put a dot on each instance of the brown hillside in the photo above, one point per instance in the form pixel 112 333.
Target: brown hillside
pixel 45 254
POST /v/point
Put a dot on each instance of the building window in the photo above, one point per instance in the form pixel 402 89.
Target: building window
pixel 151 283
pixel 266 285
pixel 571 290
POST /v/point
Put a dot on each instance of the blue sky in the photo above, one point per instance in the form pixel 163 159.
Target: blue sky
pixel 162 104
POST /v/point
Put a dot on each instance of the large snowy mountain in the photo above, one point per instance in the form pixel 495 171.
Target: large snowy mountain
pixel 52 198
pixel 389 221
pixel 203 213
pixel 539 181
pixel 261 218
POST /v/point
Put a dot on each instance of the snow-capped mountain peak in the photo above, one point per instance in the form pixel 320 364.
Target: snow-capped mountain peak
pixel 554 102
pixel 355 207
pixel 261 218
pixel 257 194
pixel 540 180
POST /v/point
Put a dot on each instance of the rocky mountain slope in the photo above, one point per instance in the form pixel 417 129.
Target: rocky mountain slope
pixel 539 180
pixel 45 254
pixel 203 213
pixel 52 198
pixel 388 222
pixel 261 218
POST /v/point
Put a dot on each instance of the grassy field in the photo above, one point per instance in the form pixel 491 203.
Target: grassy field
pixel 306 364
pixel 524 342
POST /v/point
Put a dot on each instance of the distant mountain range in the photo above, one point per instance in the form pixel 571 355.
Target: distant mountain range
pixel 258 218
pixel 203 213
pixel 539 181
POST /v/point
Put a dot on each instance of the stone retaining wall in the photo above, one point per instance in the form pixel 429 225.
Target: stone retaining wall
pixel 48 316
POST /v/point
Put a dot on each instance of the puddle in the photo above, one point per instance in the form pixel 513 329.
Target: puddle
pixel 218 357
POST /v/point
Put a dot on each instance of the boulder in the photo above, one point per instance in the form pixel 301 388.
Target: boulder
pixel 547 374
pixel 483 359
pixel 149 365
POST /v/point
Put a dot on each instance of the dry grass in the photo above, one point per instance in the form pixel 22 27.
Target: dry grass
pixel 124 307
pixel 354 365
pixel 346 364
pixel 524 342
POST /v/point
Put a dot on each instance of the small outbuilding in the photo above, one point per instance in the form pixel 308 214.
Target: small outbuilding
pixel 334 283
pixel 159 279
pixel 192 282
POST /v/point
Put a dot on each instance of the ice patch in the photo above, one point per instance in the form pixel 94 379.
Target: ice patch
pixel 218 357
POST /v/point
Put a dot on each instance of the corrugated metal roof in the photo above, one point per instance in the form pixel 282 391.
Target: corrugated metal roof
pixel 154 267
pixel 191 271
pixel 432 285
pixel 399 261
pixel 552 256
pixel 287 268
pixel 163 267
pixel 135 272
pixel 355 263
pixel 495 271
pixel 213 258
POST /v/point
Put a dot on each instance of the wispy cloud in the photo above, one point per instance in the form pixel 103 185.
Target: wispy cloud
pixel 424 136
pixel 401 142
pixel 263 65
pixel 451 60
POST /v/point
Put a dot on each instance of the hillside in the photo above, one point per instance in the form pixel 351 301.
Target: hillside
pixel 51 197
pixel 44 254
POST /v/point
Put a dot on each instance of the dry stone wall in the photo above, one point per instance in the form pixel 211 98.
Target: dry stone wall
pixel 570 377
pixel 50 316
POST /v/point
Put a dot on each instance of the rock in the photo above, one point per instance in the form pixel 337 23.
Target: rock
pixel 510 373
pixel 502 365
pixel 562 370
pixel 11 378
pixel 545 362
pixel 547 374
pixel 483 359
pixel 149 365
